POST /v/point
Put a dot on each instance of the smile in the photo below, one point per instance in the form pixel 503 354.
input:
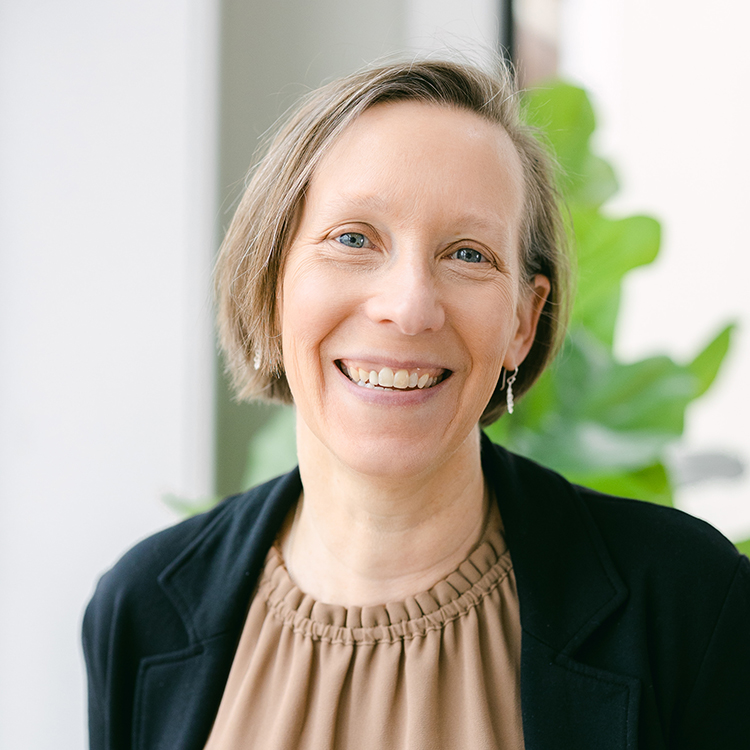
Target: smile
pixel 386 378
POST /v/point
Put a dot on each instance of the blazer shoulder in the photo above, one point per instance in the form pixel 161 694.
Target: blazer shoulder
pixel 134 577
pixel 645 536
pixel 641 537
pixel 143 562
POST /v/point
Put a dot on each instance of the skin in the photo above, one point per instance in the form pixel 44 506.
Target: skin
pixel 406 255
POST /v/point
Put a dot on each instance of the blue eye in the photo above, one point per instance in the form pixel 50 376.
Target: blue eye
pixel 352 239
pixel 469 255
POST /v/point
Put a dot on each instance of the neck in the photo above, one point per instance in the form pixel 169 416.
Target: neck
pixel 359 540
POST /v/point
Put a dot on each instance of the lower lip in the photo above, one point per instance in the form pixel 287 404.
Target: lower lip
pixel 392 397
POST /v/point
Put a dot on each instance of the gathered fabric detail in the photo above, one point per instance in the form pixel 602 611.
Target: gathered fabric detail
pixel 414 617
pixel 438 669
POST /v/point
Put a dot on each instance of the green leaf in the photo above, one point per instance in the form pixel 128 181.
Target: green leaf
pixel 565 115
pixel 744 547
pixel 596 416
pixel 650 483
pixel 607 250
pixel 601 422
pixel 648 395
pixel 577 447
pixel 706 365
pixel 583 363
pixel 615 246
pixel 598 183
pixel 600 319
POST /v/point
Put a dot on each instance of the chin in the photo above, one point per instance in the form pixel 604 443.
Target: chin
pixel 379 461
pixel 395 456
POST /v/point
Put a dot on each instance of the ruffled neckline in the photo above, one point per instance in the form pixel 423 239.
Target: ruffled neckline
pixel 453 597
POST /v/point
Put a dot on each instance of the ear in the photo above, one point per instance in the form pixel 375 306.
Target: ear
pixel 530 306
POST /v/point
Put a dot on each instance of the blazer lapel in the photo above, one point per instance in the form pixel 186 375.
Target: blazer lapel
pixel 567 587
pixel 210 584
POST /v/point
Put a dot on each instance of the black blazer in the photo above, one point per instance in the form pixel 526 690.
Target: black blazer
pixel 636 620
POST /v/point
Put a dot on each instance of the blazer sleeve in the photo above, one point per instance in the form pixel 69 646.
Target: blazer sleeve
pixel 129 618
pixel 95 651
pixel 717 712
pixel 111 627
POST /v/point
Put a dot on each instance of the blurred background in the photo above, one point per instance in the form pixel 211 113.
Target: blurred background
pixel 126 131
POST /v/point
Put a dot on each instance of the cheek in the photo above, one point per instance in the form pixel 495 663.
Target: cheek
pixel 490 366
pixel 312 307
pixel 488 322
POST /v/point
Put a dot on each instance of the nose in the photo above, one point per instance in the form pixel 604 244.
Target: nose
pixel 408 297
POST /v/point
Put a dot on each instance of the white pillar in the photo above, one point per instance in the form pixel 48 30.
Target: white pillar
pixel 107 178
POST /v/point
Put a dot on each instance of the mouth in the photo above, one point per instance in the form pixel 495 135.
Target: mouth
pixel 369 375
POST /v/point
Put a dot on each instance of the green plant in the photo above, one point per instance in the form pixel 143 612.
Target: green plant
pixel 601 422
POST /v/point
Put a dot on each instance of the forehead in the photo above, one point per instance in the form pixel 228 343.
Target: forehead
pixel 422 151
pixel 423 119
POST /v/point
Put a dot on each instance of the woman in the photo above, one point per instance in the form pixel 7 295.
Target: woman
pixel 397 269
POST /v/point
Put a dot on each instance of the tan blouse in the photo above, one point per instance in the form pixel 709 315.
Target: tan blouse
pixel 438 670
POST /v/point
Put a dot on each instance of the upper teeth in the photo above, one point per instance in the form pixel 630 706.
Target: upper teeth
pixel 387 378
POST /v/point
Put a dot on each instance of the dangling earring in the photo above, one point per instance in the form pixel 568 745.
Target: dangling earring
pixel 257 360
pixel 509 392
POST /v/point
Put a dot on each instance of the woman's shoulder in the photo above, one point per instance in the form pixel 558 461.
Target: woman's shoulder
pixel 212 534
pixel 659 538
pixel 649 545
pixel 140 565
pixel 665 555
pixel 633 528
pixel 601 565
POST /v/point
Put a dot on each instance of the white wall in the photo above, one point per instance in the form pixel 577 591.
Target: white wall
pixel 670 81
pixel 106 217
pixel 470 27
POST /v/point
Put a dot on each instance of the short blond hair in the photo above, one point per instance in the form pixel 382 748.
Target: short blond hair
pixel 251 260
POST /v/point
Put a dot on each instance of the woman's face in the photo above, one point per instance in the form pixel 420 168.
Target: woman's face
pixel 405 268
